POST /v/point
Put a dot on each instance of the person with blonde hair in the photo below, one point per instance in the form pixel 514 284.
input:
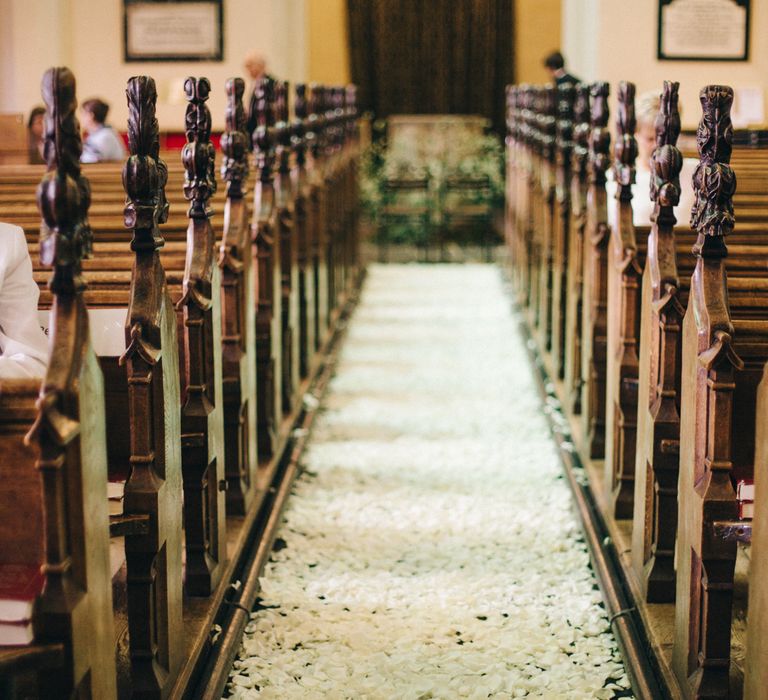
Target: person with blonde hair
pixel 647 107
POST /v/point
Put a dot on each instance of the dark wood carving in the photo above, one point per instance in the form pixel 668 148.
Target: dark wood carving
pixel 575 270
pixel 318 203
pixel 238 310
pixel 304 227
pixel 561 222
pixel 199 309
pixel 546 120
pixel 705 564
pixel 69 431
pixel 284 199
pixel 658 437
pixel 595 291
pixel 265 236
pixel 154 487
pixel 351 261
pixel 625 270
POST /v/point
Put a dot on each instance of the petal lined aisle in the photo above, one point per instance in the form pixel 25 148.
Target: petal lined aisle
pixel 430 549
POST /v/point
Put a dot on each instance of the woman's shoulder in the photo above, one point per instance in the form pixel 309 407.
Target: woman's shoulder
pixel 13 245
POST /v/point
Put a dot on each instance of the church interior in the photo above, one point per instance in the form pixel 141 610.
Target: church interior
pixel 383 349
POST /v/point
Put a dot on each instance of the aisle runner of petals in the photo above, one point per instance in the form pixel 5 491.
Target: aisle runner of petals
pixel 430 549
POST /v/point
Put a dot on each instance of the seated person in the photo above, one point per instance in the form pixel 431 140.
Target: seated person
pixel 23 345
pixel 103 143
pixel 35 136
pixel 647 107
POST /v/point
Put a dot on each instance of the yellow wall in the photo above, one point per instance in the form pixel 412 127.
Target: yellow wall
pixel 327 44
pixel 537 33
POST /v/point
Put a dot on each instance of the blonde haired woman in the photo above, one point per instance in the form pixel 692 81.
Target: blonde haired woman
pixel 646 108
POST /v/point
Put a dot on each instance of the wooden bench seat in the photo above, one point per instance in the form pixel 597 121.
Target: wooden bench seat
pixel 627 290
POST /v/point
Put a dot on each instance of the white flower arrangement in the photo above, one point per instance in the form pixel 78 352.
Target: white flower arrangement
pixel 430 549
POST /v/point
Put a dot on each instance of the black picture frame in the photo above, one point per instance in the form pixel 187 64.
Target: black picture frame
pixel 180 11
pixel 703 55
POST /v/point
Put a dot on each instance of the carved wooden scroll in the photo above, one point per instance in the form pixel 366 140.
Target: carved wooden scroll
pixel 238 310
pixel 547 149
pixel 203 457
pixel 535 208
pixel 266 245
pixel 318 205
pixel 575 271
pixel 332 223
pixel 524 223
pixel 288 253
pixel 154 487
pixel 76 605
pixel 705 564
pixel 658 429
pixel 304 230
pixel 561 222
pixel 625 269
pixel 351 199
pixel 595 291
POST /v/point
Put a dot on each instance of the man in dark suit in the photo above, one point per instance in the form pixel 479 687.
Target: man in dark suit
pixel 555 64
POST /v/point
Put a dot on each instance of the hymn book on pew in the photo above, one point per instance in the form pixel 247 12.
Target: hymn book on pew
pixel 20 584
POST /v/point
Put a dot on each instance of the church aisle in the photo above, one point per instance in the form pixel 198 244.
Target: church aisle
pixel 429 549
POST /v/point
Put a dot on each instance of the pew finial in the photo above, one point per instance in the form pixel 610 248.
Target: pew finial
pixel 264 140
pixel 283 127
pixel 235 140
pixel 198 154
pixel 145 174
pixel 667 160
pixel 599 136
pixel 300 125
pixel 714 181
pixel 625 149
pixel 581 128
pixel 64 194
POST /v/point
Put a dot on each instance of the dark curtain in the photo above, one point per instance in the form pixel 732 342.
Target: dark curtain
pixel 432 56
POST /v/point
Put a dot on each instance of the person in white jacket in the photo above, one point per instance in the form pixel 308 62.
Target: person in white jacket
pixel 23 345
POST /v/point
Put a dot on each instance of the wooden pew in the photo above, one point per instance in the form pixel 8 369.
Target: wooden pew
pixel 67 443
pixel 163 653
pixel 595 280
pixel 561 224
pixel 318 208
pixel 576 236
pixel 626 257
pixel 199 317
pixel 154 486
pixel 546 123
pixel 756 669
pixel 266 241
pixel 305 229
pixel 289 255
pixel 723 358
pixel 658 423
pixel 238 311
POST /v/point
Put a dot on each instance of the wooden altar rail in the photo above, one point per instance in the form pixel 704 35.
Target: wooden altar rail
pixel 225 328
pixel 662 401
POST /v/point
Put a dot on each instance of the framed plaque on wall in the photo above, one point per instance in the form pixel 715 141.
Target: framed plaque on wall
pixel 173 30
pixel 703 30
